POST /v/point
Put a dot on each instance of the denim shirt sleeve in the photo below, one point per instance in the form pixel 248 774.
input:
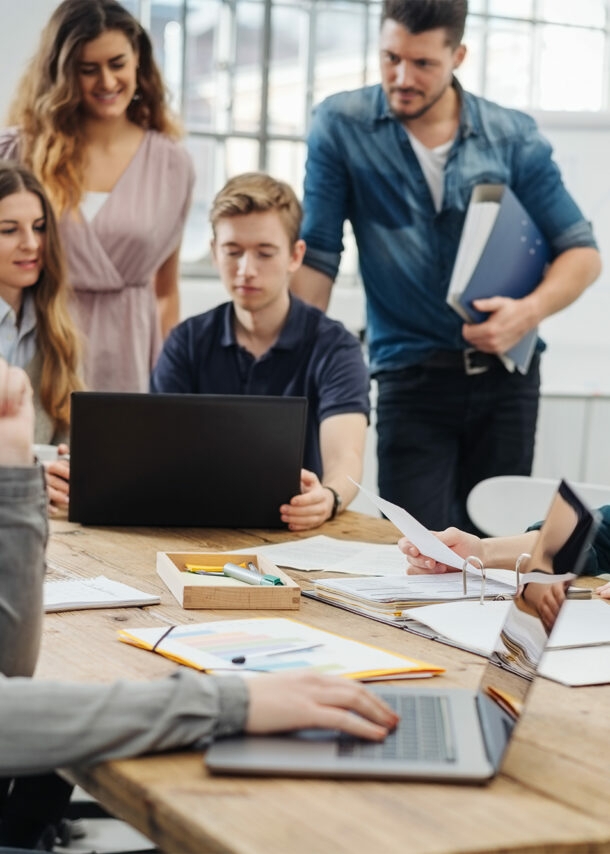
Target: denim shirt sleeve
pixel 538 184
pixel 325 203
pixel 598 556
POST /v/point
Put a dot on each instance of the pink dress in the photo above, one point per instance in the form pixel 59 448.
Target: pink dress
pixel 112 261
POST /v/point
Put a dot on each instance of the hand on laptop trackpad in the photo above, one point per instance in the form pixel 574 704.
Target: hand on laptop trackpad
pixel 316 734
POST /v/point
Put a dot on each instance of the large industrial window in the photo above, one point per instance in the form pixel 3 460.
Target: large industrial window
pixel 244 74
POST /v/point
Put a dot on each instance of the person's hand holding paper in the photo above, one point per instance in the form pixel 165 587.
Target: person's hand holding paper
pixel 459 542
pixel 447 550
pixel 424 541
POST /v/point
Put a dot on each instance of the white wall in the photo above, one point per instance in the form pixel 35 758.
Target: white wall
pixel 578 358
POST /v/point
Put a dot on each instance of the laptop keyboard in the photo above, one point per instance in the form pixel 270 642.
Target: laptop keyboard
pixel 423 734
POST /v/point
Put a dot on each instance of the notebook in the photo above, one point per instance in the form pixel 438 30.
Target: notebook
pixel 502 252
pixel 272 645
pixel 452 735
pixel 75 594
pixel 182 459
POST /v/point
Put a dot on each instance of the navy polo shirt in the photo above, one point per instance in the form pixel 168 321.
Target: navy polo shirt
pixel 314 357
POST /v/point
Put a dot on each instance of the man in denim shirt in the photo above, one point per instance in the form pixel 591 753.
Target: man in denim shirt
pixel 400 160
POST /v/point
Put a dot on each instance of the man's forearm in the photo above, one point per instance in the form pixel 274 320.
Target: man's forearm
pixel 342 443
pixel 338 473
pixel 567 277
pixel 312 287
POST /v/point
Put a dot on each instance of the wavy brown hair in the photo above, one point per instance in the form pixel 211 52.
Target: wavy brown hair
pixel 56 334
pixel 47 108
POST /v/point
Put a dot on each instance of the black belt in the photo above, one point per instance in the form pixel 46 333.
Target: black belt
pixel 468 361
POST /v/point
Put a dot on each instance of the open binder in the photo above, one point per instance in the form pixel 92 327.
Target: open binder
pixel 502 252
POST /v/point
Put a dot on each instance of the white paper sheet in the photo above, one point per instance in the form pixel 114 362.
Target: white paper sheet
pixel 588 665
pixel 328 553
pixel 467 624
pixel 582 624
pixel 420 536
pixel 76 594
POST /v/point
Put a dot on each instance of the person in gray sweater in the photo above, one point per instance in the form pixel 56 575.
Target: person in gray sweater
pixel 45 725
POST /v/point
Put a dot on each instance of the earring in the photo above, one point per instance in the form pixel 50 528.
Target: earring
pixel 137 95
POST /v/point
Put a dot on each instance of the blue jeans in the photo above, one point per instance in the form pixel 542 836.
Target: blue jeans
pixel 441 431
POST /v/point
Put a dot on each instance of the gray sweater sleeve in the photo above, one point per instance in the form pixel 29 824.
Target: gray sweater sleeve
pixel 23 536
pixel 45 725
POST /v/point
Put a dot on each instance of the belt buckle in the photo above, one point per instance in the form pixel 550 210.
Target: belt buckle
pixel 470 369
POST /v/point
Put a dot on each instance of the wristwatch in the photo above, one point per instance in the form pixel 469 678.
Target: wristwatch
pixel 337 502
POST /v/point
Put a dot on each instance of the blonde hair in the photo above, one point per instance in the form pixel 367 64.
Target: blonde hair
pixel 55 331
pixel 257 192
pixel 46 108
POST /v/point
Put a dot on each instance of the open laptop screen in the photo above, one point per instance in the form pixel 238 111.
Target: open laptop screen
pixel 560 548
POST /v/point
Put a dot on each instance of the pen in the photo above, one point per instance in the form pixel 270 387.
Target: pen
pixel 250 577
pixel 203 569
pixel 213 572
pixel 241 659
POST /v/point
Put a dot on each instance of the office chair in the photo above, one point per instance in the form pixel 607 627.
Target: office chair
pixel 509 504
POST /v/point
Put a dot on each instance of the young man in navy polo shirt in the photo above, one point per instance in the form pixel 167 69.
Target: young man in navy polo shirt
pixel 268 342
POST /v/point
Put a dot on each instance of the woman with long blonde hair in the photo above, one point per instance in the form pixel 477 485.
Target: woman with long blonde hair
pixel 91 120
pixel 36 330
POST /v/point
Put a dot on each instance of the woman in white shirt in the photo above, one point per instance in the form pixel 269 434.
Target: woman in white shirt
pixel 36 331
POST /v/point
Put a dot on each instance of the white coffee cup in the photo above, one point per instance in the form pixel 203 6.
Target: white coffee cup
pixel 49 453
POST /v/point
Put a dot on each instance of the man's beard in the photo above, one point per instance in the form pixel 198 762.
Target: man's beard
pixel 408 116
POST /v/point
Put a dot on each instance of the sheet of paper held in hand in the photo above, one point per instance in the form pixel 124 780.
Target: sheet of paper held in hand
pixel 429 545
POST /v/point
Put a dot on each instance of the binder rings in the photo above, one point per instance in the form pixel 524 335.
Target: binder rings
pixel 502 252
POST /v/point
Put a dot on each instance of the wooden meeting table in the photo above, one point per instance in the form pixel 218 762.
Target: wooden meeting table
pixel 553 792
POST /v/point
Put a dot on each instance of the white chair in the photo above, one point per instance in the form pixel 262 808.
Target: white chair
pixel 508 504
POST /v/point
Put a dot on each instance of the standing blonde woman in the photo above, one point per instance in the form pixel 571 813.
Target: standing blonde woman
pixel 91 121
pixel 36 330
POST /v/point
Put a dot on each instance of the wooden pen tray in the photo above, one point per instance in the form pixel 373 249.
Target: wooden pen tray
pixel 208 591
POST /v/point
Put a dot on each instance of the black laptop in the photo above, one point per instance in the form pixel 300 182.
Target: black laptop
pixel 184 459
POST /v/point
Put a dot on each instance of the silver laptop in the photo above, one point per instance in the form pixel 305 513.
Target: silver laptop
pixel 447 734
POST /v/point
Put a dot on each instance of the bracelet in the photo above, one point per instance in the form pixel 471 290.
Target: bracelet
pixel 337 502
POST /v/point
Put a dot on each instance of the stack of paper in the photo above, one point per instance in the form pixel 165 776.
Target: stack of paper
pixel 273 645
pixel 389 597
